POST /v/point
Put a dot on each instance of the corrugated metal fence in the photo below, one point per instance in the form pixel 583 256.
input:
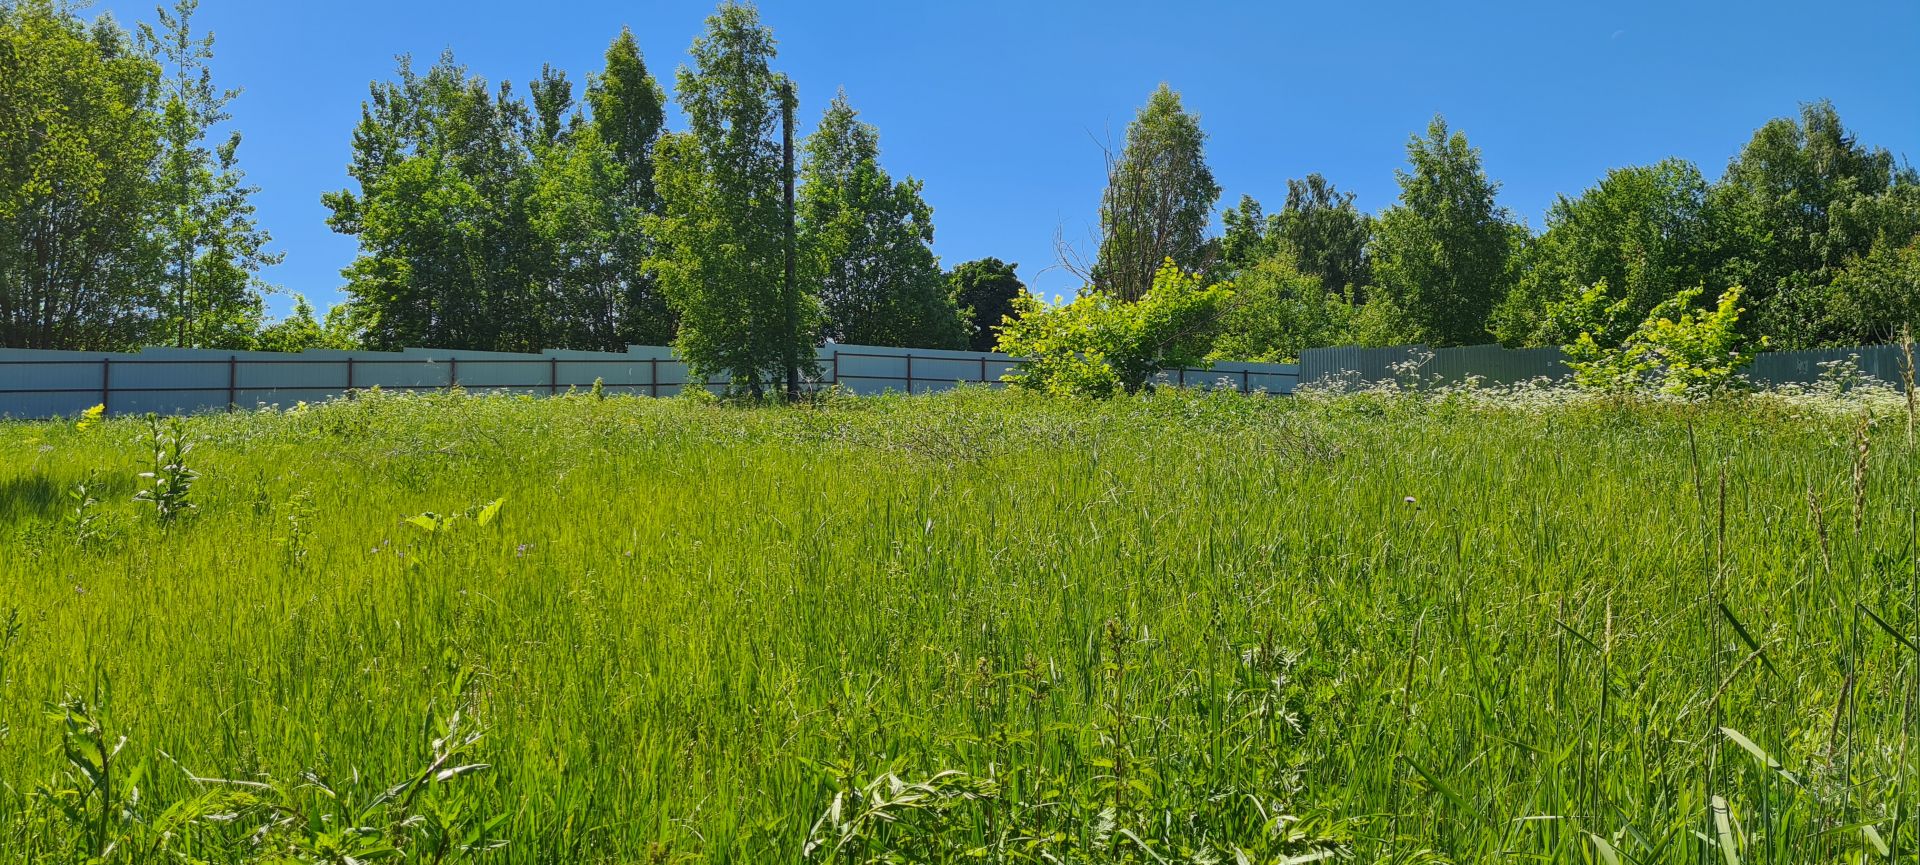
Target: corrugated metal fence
pixel 37 383
pixel 1493 364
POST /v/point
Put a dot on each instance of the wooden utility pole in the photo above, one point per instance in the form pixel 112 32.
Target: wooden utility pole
pixel 791 353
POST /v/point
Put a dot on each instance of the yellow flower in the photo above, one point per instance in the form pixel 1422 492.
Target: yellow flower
pixel 90 418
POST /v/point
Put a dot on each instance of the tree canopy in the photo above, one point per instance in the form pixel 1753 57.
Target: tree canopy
pixel 868 243
pixel 1443 253
pixel 1159 199
pixel 721 229
pixel 984 290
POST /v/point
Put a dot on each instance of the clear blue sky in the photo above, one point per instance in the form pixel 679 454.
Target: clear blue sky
pixel 999 105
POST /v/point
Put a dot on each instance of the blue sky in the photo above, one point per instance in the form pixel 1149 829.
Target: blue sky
pixel 1000 107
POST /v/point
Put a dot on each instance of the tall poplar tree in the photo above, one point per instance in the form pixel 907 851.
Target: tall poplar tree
pixel 721 230
pixel 867 243
pixel 213 248
pixel 592 193
pixel 629 115
pixel 1159 199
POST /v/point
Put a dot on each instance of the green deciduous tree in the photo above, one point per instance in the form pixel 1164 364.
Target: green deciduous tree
pixel 867 243
pixel 1443 254
pixel 448 253
pixel 629 115
pixel 1248 236
pixel 1877 294
pixel 1099 345
pixel 985 291
pixel 721 259
pixel 592 193
pixel 1326 234
pixel 212 250
pixel 1319 230
pixel 1159 199
pixel 78 139
pixel 1800 201
pixel 300 331
pixel 1277 311
pixel 1643 231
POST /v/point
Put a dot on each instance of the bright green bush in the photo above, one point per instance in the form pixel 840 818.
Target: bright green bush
pixel 1680 349
pixel 1098 346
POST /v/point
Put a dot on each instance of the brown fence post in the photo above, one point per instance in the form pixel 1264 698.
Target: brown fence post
pixel 909 374
pixel 453 372
pixel 232 383
pixel 1246 384
pixel 553 376
pixel 106 380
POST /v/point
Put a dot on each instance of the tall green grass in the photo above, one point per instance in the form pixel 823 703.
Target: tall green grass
pixel 973 627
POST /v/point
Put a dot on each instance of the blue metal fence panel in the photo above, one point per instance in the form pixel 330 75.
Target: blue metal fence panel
pixel 170 380
pixel 1883 362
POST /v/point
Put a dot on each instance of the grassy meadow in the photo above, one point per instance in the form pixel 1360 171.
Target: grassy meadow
pixel 979 627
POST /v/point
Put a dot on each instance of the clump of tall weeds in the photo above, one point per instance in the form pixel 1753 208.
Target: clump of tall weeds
pixel 96 809
pixel 168 485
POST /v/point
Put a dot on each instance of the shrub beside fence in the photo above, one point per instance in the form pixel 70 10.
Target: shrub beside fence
pixel 36 383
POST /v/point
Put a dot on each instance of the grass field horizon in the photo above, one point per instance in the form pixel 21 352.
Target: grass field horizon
pixel 978 626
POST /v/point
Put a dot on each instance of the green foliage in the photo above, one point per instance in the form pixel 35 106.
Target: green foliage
pixel 1598 321
pixel 435 524
pixel 211 248
pixel 1249 236
pixel 83 521
pixel 721 260
pixel 1327 234
pixel 1158 202
pixel 80 135
pixel 96 810
pixel 446 253
pixel 1800 202
pixel 1277 311
pixel 168 482
pixel 867 243
pixel 1642 231
pixel 1319 230
pixel 592 195
pixel 299 331
pixel 1444 254
pixel 1099 346
pixel 1876 295
pixel 1679 348
pixel 984 291
pixel 488 222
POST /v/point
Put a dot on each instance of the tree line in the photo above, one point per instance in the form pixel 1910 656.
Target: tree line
pixel 1816 234
pixel 488 217
pixel 564 216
